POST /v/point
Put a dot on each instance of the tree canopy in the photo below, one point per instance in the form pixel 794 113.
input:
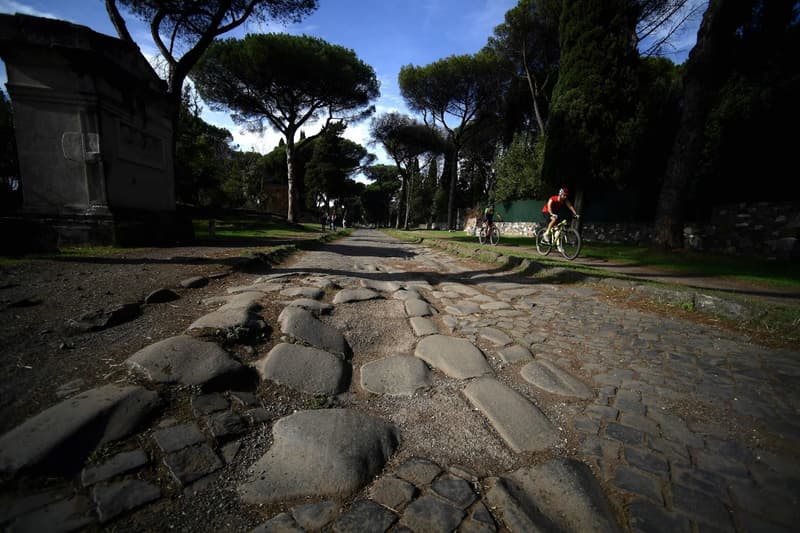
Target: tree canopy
pixel 405 139
pixel 284 81
pixel 183 29
pixel 451 93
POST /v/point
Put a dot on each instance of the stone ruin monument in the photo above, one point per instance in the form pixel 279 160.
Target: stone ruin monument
pixel 94 135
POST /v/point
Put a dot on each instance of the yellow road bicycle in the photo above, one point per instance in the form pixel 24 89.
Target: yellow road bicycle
pixel 566 240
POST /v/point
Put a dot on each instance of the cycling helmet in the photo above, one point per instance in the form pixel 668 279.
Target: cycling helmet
pixel 564 191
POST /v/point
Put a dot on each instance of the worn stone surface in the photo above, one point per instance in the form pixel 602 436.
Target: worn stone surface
pixel 118 410
pixel 310 370
pixel 518 421
pixel 349 446
pixel 399 376
pixel 302 325
pixel 183 359
pixel 455 357
pixel 118 464
pixel 668 426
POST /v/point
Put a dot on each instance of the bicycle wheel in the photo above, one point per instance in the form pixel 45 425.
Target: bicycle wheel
pixel 541 246
pixel 494 236
pixel 570 244
pixel 482 235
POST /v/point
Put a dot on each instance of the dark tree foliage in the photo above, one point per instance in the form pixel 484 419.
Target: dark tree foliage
pixel 184 29
pixel 405 139
pixel 740 87
pixel 201 159
pixel 333 160
pixel 378 199
pixel 284 81
pixel 452 93
pixel 528 39
pixel 755 108
pixel 593 116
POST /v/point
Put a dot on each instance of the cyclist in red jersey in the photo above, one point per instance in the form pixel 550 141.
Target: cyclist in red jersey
pixel 554 207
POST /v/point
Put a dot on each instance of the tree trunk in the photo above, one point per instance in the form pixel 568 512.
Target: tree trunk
pixel 402 197
pixel 452 195
pixel 536 111
pixel 408 200
pixel 706 71
pixel 290 215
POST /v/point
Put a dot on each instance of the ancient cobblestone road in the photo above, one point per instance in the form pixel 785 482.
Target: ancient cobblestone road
pixel 466 397
pixel 688 426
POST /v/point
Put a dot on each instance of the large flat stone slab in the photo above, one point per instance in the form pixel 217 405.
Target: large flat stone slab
pixel 355 295
pixel 315 307
pixel 68 432
pixel 423 326
pixel 382 286
pixel 302 325
pixel 549 377
pixel 400 375
pixel 495 336
pixel 515 353
pixel 560 495
pixel 515 418
pixel 418 307
pixel 238 313
pixel 458 358
pixel 349 447
pixel 308 370
pixel 185 360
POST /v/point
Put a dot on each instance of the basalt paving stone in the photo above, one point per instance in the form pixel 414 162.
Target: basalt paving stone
pixel 209 403
pixel 183 359
pixel 110 412
pixel 117 464
pixel 313 293
pixel 517 420
pixel 315 307
pixel 116 498
pixel 355 295
pixel 309 370
pixel 400 375
pixel 419 471
pixel 423 326
pixel 63 515
pixel 515 354
pixel 392 492
pixel 551 378
pixel 176 437
pixel 302 325
pixel 363 516
pixel 416 307
pixel 315 516
pixel 429 513
pixel 455 357
pixel 192 463
pixel 225 426
pixel 349 446
pixel 455 490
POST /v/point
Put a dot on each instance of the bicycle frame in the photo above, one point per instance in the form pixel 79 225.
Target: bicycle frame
pixel 567 240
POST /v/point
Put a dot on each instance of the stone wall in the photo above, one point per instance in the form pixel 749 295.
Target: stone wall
pixel 766 230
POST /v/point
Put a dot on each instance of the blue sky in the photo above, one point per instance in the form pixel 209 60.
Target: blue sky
pixel 386 34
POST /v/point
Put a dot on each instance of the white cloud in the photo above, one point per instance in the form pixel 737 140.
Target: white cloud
pixel 10 6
